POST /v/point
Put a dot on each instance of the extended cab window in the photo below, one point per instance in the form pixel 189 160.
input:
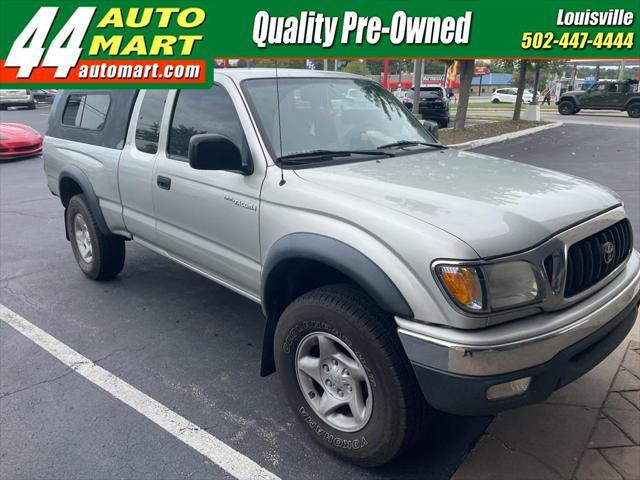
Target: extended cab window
pixel 202 111
pixel 149 118
pixel 87 111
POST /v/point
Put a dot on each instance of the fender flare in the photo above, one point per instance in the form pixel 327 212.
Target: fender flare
pixel 74 173
pixel 630 101
pixel 338 255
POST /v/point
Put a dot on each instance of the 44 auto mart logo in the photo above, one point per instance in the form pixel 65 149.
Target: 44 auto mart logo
pixel 132 45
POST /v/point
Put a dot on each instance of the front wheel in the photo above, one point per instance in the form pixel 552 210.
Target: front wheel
pixel 633 110
pixel 346 375
pixel 566 108
pixel 495 100
pixel 99 256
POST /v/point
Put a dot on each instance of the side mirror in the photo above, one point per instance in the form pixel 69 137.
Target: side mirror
pixel 431 127
pixel 211 151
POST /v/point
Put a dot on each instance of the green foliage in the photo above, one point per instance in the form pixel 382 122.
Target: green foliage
pixel 284 63
pixel 357 67
pixel 435 66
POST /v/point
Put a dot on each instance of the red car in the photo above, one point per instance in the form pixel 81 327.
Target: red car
pixel 17 140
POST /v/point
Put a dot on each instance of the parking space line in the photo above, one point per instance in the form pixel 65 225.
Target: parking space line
pixel 230 460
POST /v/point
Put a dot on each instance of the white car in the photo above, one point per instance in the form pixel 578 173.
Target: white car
pixel 508 95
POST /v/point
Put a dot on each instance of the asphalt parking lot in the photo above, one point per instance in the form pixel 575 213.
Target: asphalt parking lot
pixel 190 344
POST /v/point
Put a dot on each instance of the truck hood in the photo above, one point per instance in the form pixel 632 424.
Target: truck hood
pixel 496 206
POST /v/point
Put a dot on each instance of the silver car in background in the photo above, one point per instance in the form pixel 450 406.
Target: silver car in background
pixel 17 98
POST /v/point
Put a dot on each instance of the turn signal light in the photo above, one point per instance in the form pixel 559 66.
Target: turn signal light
pixel 463 285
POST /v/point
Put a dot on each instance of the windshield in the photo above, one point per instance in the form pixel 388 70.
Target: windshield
pixel 332 114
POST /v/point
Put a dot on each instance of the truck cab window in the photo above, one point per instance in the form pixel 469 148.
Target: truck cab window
pixel 149 119
pixel 86 111
pixel 202 111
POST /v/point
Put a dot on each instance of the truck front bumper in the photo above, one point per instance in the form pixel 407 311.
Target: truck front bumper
pixel 455 377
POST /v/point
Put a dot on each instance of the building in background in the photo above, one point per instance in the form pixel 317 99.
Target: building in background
pixel 486 84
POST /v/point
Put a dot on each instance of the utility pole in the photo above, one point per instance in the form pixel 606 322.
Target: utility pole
pixel 325 64
pixel 621 71
pixel 417 81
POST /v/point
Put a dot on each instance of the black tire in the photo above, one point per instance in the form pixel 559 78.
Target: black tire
pixel 495 100
pixel 566 107
pixel 32 106
pixel 398 409
pixel 444 123
pixel 633 110
pixel 108 251
pixel 3 107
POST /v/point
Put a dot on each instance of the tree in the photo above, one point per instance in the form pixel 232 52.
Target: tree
pixel 283 63
pixel 522 82
pixel 357 67
pixel 435 67
pixel 466 75
pixel 544 69
pixel 521 67
pixel 501 66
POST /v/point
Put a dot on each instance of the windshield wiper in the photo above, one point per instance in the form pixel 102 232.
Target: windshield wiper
pixel 302 157
pixel 409 143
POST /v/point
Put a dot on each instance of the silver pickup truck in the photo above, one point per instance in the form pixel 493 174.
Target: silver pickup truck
pixel 396 275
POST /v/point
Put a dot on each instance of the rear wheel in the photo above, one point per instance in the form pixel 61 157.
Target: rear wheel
pixel 346 375
pixel 633 110
pixel 99 256
pixel 443 123
pixel 566 107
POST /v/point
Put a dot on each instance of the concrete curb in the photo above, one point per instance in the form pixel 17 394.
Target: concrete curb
pixel 505 136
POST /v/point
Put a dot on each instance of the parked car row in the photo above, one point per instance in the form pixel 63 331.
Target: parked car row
pixel 25 98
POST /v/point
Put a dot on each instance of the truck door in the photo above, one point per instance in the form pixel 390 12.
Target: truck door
pixel 596 96
pixel 618 94
pixel 137 162
pixel 208 219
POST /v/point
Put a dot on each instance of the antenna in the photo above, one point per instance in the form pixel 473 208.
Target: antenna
pixel 282 180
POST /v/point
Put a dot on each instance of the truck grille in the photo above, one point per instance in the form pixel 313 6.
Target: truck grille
pixel 593 258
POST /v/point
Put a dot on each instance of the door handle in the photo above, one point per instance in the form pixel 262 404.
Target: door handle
pixel 164 182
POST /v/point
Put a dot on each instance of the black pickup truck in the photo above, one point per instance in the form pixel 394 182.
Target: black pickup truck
pixel 623 96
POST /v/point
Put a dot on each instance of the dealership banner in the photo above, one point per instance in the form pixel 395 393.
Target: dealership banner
pixel 173 43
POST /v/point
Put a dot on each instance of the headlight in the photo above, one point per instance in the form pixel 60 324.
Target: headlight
pixel 491 287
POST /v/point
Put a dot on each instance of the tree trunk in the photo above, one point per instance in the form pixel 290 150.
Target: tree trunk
pixel 466 75
pixel 534 100
pixel 521 84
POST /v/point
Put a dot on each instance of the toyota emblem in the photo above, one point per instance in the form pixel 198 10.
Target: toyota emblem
pixel 608 252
